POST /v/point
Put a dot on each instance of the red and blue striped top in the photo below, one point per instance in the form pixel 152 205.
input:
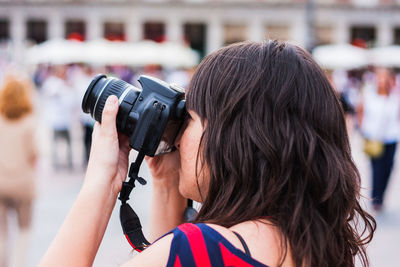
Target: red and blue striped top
pixel 201 245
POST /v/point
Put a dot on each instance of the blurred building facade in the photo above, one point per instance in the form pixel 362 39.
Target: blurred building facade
pixel 204 24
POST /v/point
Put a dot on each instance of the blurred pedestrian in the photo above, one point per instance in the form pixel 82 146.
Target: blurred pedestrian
pixel 81 81
pixel 59 97
pixel 40 75
pixel 339 80
pixel 379 115
pixel 180 77
pixel 18 156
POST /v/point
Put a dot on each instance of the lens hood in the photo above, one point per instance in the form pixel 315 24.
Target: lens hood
pixel 86 105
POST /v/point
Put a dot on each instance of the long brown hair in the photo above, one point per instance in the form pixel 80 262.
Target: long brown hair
pixel 275 144
pixel 15 99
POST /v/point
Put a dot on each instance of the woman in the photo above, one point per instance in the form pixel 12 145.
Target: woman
pixel 265 151
pixel 17 166
pixel 379 117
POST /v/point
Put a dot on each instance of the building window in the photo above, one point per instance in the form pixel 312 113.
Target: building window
pixel 234 33
pixel 4 30
pixel 154 31
pixel 37 30
pixel 363 36
pixel 397 36
pixel 277 32
pixel 323 35
pixel 195 35
pixel 114 31
pixel 75 30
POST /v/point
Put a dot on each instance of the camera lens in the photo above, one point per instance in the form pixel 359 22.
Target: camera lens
pixel 101 88
pixel 151 120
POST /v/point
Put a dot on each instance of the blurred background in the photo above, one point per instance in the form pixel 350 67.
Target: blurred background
pixel 51 49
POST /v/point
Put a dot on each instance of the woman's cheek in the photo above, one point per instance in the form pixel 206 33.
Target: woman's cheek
pixel 187 181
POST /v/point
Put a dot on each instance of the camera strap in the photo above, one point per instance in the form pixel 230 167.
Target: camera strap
pixel 129 220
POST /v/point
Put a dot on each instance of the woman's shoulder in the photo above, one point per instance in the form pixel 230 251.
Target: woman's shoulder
pixel 261 237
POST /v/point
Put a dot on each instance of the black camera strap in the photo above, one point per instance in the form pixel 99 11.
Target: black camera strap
pixel 129 220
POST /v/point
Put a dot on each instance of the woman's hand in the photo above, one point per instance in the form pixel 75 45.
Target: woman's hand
pixel 167 205
pixel 165 168
pixel 109 155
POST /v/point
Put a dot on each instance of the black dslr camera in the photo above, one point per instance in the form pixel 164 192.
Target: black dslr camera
pixel 150 117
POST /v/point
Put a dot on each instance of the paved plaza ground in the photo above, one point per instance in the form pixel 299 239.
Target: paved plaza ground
pixel 57 191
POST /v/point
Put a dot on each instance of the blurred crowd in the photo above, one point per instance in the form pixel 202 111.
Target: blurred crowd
pixel 53 96
pixel 61 89
pixel 371 102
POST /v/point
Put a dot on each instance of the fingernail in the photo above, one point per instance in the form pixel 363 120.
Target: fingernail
pixel 112 99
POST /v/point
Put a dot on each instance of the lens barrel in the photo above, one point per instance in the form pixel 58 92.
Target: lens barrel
pixel 92 94
pixel 100 89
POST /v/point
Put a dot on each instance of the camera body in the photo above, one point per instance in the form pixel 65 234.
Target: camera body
pixel 151 117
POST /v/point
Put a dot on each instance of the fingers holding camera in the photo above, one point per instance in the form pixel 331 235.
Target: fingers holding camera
pixel 109 115
pixel 124 144
pixel 123 157
pixel 165 167
pixel 109 154
pixel 105 136
pixel 167 204
pixel 107 129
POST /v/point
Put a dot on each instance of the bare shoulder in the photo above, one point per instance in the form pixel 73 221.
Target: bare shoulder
pixel 262 238
pixel 155 255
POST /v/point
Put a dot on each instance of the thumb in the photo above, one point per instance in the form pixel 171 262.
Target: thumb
pixel 108 118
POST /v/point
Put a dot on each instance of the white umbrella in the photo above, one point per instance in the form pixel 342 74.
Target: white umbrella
pixel 175 55
pixel 388 56
pixel 340 56
pixel 172 55
pixel 56 51
pixel 144 53
pixel 103 52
